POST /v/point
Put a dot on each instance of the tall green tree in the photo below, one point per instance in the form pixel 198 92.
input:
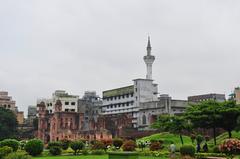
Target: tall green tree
pixel 173 124
pixel 205 115
pixel 8 124
pixel 229 112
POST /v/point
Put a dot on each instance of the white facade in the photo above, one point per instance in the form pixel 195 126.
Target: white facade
pixel 69 102
pixel 149 111
pixel 149 59
pixel 128 99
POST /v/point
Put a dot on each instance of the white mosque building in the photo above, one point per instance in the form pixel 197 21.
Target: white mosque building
pixel 140 100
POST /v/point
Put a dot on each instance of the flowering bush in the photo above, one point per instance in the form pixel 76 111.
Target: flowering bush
pixel 230 147
pixel 154 146
pixel 129 145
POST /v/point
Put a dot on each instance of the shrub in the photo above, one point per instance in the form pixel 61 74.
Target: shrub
pixel 22 144
pixel 207 138
pixel 230 147
pixel 216 149
pixel 85 152
pixel 193 137
pixel 14 144
pixel 142 145
pixel 55 150
pixel 154 146
pixel 187 150
pixel 65 144
pixel 129 145
pixel 77 146
pixel 34 147
pixel 4 151
pixel 199 139
pixel 187 157
pixel 117 142
pixel 54 144
pixel 107 144
pixel 98 152
pixel 18 155
pixel 98 145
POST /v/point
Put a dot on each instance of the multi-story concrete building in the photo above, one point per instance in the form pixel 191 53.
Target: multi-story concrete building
pixel 6 101
pixel 89 105
pixel 69 102
pixel 149 111
pixel 32 114
pixel 206 97
pixel 235 95
pixel 20 117
pixel 126 100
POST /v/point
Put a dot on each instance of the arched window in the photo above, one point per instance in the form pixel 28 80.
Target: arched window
pixel 144 120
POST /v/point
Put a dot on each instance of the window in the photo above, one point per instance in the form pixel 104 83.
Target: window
pixel 66 103
pixel 123 96
pixel 115 97
pixel 127 95
pixel 131 94
pixel 144 120
pixel 135 89
pixel 66 110
pixel 72 110
pixel 119 97
pixel 72 103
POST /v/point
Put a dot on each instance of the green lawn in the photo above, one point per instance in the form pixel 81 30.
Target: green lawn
pixel 91 157
pixel 224 136
pixel 167 138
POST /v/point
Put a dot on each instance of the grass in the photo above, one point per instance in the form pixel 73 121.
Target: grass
pixel 224 136
pixel 167 138
pixel 91 157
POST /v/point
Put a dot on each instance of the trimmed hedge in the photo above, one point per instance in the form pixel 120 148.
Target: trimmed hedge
pixel 187 150
pixel 14 144
pixel 18 155
pixel 34 147
pixel 4 151
pixel 65 144
pixel 54 144
pixel 76 146
pixel 55 150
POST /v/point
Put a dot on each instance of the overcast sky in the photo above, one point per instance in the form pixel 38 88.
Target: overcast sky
pixel 80 45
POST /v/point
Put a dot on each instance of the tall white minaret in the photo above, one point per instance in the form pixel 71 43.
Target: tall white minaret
pixel 149 59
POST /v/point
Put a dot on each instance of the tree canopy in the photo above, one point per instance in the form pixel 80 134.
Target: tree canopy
pixel 172 124
pixel 8 124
